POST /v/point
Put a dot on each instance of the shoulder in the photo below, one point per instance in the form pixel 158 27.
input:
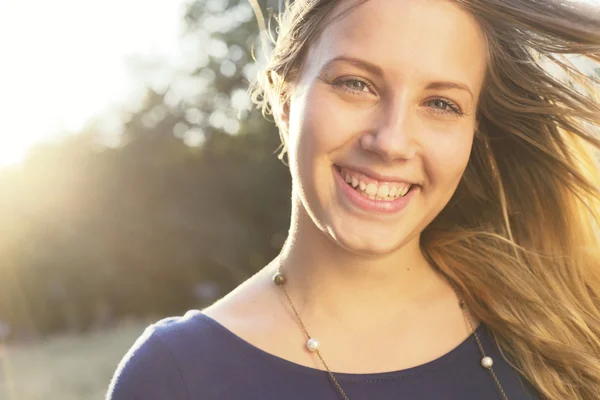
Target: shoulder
pixel 155 367
pixel 248 306
pixel 193 325
pixel 179 357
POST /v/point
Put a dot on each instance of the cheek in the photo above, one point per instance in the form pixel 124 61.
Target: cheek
pixel 320 124
pixel 312 136
pixel 446 157
pixel 323 127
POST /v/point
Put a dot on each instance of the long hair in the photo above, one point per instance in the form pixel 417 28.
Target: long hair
pixel 520 236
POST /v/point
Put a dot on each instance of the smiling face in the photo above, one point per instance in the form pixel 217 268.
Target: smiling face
pixel 381 120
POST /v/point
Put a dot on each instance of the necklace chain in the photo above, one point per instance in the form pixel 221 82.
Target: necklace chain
pixel 280 280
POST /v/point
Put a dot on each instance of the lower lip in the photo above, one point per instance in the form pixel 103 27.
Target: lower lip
pixel 381 206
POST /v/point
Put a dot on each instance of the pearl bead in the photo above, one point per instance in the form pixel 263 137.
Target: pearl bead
pixel 312 345
pixel 487 362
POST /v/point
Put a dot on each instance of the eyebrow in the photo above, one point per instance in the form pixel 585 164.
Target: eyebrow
pixel 440 85
pixel 374 69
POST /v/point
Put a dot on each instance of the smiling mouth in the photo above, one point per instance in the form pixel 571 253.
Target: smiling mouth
pixel 386 191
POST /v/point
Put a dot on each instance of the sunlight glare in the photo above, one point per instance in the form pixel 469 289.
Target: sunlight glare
pixel 65 62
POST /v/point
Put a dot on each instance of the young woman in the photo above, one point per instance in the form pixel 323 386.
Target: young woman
pixel 443 240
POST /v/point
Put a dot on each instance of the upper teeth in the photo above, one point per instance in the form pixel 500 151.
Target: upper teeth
pixel 381 191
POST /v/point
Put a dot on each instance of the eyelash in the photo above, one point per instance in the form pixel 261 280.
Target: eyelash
pixel 453 108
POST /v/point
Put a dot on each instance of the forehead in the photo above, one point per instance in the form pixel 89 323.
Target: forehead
pixel 408 38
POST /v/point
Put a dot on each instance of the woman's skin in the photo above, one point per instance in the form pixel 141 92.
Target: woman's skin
pixel 403 108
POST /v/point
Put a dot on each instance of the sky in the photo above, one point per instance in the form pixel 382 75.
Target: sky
pixel 66 61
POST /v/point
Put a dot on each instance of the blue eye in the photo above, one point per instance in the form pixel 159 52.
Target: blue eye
pixel 445 107
pixel 353 86
pixel 359 87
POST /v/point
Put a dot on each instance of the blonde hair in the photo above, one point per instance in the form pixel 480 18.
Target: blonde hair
pixel 519 238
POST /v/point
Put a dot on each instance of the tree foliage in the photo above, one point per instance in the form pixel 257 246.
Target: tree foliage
pixel 193 195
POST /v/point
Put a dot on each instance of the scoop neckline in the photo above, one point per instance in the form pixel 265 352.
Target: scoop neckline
pixel 413 371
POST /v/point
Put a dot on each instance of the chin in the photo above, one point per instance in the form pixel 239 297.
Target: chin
pixel 370 245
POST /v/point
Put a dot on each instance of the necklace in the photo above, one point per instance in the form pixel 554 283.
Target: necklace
pixel 313 345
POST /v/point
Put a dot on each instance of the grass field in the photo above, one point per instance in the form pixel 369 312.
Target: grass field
pixel 66 367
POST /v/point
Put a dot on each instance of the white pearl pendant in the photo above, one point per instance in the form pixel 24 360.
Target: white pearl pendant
pixel 312 345
pixel 487 362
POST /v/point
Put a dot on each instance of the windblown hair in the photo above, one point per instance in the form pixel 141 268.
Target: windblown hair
pixel 520 237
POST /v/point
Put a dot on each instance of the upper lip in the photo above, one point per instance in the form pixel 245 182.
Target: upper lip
pixel 375 175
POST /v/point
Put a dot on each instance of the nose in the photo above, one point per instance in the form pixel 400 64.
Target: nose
pixel 392 137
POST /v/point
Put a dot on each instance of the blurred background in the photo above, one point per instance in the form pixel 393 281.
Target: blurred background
pixel 135 180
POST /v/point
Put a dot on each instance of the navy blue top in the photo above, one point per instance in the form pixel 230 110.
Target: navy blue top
pixel 195 358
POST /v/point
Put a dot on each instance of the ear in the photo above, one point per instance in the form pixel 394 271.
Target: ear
pixel 285 116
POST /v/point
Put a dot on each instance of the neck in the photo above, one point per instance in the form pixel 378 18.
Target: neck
pixel 327 281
